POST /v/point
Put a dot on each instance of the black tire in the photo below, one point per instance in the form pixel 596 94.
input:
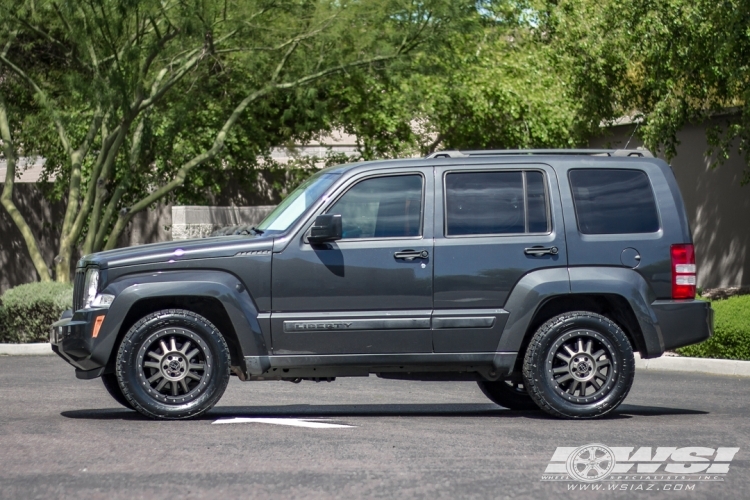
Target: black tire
pixel 173 364
pixel 595 377
pixel 113 388
pixel 508 394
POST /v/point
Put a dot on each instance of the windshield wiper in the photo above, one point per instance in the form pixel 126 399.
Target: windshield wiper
pixel 256 230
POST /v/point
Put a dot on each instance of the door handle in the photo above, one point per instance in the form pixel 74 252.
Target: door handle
pixel 539 250
pixel 412 254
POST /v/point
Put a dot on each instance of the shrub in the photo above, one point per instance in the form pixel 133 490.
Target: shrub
pixel 27 311
pixel 731 338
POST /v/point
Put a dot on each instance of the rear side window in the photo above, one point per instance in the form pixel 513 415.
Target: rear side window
pixel 495 202
pixel 609 201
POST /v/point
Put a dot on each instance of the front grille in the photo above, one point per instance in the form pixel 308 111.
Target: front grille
pixel 78 289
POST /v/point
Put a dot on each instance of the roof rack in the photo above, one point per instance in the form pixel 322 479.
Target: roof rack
pixel 640 153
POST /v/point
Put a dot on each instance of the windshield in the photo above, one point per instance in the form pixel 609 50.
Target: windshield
pixel 297 203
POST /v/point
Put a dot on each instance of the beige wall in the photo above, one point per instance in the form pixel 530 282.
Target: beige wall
pixel 718 207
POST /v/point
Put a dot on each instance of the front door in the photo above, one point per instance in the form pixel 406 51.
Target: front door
pixel 370 292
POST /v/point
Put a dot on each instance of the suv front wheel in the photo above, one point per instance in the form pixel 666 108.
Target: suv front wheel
pixel 579 365
pixel 173 364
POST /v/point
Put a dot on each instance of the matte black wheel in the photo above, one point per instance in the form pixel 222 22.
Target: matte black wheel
pixel 113 388
pixel 173 364
pixel 509 394
pixel 579 365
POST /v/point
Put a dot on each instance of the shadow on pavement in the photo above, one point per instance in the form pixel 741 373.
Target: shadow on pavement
pixel 375 410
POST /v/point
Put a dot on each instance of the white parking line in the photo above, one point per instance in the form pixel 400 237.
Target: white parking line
pixel 294 422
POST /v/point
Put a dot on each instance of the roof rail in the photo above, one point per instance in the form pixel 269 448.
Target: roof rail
pixel 640 153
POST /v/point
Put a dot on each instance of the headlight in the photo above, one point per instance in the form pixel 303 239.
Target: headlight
pixel 90 296
pixel 91 286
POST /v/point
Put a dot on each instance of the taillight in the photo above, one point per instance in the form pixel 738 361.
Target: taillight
pixel 683 272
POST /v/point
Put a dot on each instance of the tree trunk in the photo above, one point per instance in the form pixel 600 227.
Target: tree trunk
pixel 7 198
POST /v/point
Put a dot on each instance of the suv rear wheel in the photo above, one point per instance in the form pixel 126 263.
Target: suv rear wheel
pixel 509 394
pixel 173 364
pixel 579 365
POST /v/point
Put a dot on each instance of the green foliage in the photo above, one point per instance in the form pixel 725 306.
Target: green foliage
pixel 665 62
pixel 731 338
pixel 135 101
pixel 27 311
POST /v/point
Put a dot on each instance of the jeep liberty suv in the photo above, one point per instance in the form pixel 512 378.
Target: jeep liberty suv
pixel 535 273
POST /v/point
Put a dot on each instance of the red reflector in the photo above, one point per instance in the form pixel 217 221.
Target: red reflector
pixel 683 271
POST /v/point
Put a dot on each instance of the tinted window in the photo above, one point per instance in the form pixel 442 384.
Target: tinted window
pixel 537 202
pixel 493 203
pixel 382 207
pixel 613 201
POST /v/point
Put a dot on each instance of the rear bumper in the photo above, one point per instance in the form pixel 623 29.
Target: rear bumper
pixel 684 322
pixel 72 340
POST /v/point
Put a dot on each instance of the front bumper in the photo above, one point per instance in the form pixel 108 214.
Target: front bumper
pixel 684 322
pixel 72 339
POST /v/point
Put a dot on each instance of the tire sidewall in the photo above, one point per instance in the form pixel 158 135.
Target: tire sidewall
pixel 547 391
pixel 130 356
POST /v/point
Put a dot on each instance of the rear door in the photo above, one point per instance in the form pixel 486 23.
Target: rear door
pixel 494 224
pixel 370 292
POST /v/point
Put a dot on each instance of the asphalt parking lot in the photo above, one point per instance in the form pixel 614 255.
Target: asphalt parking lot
pixel 65 438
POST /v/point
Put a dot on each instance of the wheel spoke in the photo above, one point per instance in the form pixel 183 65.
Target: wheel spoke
pixel 589 345
pixel 596 383
pixel 174 388
pixel 197 366
pixel 157 357
pixel 151 364
pixel 161 385
pixel 559 369
pixel 580 345
pixel 563 357
pixel 185 347
pixel 184 386
pixel 192 376
pixel 564 378
pixel 573 387
pixel 571 352
pixel 164 348
pixel 156 376
pixel 172 344
pixel 603 363
pixel 598 354
pixel 192 354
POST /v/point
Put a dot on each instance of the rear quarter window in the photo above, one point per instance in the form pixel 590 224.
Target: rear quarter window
pixel 611 201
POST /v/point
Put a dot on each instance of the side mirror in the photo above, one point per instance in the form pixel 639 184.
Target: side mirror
pixel 326 227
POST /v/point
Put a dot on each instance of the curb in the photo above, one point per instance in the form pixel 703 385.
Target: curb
pixel 696 365
pixel 41 349
pixel 662 364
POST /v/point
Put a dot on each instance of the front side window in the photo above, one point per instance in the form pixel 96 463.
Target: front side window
pixel 495 202
pixel 293 206
pixel 382 207
pixel 610 201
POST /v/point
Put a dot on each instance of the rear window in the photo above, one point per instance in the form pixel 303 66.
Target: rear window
pixel 609 201
pixel 495 202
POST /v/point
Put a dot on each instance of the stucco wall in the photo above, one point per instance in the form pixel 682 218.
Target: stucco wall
pixel 718 207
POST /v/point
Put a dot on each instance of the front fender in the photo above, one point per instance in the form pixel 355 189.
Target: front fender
pixel 224 287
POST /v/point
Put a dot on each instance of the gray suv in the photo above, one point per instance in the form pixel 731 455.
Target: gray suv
pixel 535 273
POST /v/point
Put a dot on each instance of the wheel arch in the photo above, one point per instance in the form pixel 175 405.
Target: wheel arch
pixel 219 297
pixel 621 294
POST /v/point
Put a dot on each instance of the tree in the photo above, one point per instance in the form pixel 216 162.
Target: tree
pixel 128 99
pixel 664 62
pixel 497 86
